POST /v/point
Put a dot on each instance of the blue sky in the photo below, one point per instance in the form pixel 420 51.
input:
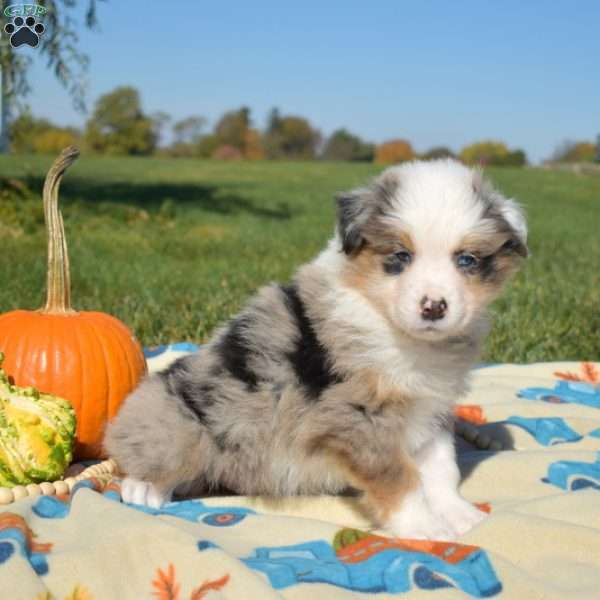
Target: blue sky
pixel 432 72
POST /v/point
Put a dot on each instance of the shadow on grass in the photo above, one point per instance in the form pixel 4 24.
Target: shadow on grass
pixel 151 196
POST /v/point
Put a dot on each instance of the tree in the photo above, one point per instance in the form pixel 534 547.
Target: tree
pixel 188 130
pixel 343 145
pixel 187 134
pixel 58 44
pixel 290 137
pixel 438 152
pixel 484 153
pixel 253 146
pixel 515 158
pixel 119 126
pixel 575 152
pixel 232 128
pixel 160 120
pixel 394 151
pixel 494 154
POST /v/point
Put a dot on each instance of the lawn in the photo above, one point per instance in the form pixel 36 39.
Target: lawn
pixel 173 247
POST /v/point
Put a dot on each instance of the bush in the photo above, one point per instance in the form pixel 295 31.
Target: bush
pixel 438 152
pixel 394 151
pixel 343 145
pixel 575 152
pixel 484 153
pixel 207 146
pixel 29 134
pixel 53 140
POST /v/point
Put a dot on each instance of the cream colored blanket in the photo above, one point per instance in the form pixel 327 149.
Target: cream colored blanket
pixel 541 539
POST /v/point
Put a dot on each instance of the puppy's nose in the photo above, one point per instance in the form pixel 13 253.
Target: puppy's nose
pixel 432 310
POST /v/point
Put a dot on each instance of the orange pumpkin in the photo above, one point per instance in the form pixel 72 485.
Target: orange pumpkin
pixel 89 358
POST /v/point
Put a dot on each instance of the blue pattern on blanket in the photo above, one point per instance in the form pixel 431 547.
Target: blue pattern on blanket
pixel 379 569
pixel 154 351
pixel 50 507
pixel 546 430
pixel 576 392
pixel 574 475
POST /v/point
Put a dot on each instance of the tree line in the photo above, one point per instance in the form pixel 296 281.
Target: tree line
pixel 119 125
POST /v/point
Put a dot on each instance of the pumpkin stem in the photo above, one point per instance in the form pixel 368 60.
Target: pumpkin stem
pixel 58 293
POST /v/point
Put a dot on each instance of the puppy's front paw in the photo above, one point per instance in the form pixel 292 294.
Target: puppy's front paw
pixel 134 491
pixel 421 525
pixel 461 515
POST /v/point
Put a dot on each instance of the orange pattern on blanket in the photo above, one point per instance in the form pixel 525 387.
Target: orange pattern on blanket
pixel 166 587
pixel 13 521
pixel 362 549
pixel 589 374
pixel 473 413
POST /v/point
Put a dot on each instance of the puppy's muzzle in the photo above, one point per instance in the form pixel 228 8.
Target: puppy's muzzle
pixel 433 310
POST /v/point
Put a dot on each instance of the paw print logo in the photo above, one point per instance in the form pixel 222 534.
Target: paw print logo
pixel 24 31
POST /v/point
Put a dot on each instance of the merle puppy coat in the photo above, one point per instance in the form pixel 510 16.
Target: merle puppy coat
pixel 348 375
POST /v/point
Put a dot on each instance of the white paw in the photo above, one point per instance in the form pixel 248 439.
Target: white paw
pixel 429 527
pixel 461 515
pixel 416 520
pixel 134 491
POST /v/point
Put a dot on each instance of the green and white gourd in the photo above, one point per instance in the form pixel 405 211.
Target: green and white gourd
pixel 37 433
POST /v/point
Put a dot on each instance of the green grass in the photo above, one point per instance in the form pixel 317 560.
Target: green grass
pixel 173 247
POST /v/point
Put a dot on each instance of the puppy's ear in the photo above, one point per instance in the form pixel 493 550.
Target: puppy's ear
pixel 356 208
pixel 507 215
pixel 352 214
pixel 515 217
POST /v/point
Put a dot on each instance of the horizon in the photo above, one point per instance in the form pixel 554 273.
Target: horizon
pixel 433 74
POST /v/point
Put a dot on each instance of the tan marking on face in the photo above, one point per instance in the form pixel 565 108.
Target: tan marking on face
pixel 482 244
pixel 363 273
pixel 385 238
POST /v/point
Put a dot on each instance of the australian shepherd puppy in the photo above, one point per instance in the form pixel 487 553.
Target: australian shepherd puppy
pixel 346 377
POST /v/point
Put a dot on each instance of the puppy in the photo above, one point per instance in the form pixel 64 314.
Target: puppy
pixel 347 376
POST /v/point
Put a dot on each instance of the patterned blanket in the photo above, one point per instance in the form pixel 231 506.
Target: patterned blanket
pixel 541 539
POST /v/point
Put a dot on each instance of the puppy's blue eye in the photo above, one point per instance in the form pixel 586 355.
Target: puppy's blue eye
pixel 466 261
pixel 404 256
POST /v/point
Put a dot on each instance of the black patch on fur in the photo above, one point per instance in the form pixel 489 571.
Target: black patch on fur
pixel 196 398
pixel 235 352
pixel 310 359
pixel 224 444
pixel 360 408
